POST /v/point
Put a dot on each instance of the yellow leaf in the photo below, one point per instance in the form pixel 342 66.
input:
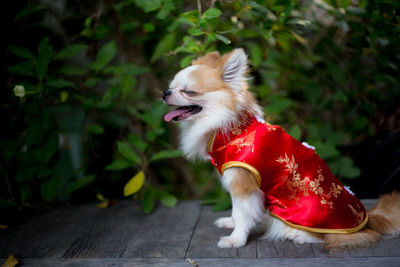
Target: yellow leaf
pixel 10 262
pixel 106 204
pixel 100 197
pixel 63 96
pixel 103 204
pixel 300 39
pixel 192 262
pixel 134 184
pixel 3 227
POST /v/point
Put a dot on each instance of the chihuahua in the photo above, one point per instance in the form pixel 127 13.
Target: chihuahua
pixel 278 185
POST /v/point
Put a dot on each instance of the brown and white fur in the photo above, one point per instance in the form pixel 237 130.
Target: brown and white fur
pixel 215 93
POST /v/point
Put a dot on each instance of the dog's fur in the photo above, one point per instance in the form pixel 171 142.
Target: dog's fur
pixel 218 85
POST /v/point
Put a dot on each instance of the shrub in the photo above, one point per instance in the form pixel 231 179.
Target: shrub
pixel 83 79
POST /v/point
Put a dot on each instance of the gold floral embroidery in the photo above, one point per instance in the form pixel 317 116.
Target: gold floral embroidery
pixel 280 204
pixel 297 184
pixel 245 141
pixel 359 216
pixel 270 127
pixel 236 130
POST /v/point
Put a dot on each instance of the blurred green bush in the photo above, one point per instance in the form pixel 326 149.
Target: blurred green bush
pixel 83 78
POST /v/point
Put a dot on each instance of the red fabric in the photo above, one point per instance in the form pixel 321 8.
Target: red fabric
pixel 298 185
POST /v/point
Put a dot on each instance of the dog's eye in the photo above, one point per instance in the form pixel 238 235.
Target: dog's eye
pixel 189 92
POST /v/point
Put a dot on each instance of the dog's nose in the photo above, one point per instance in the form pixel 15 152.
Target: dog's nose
pixel 166 93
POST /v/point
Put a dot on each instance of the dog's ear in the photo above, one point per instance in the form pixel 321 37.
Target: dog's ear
pixel 210 59
pixel 235 68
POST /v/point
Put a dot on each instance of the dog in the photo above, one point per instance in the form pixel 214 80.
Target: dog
pixel 278 186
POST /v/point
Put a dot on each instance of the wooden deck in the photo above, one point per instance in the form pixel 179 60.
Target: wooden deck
pixel 123 235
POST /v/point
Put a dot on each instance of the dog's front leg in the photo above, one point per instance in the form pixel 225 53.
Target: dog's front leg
pixel 247 206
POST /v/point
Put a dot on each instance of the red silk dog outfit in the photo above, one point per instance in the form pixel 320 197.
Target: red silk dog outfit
pixel 298 185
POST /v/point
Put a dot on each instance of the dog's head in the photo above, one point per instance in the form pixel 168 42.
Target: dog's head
pixel 213 85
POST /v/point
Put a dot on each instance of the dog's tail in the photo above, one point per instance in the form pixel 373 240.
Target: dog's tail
pixel 383 219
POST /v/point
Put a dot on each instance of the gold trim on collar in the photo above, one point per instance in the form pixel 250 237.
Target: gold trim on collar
pixel 250 168
pixel 210 142
pixel 321 230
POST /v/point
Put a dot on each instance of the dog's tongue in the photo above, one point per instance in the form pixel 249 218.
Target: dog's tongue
pixel 177 112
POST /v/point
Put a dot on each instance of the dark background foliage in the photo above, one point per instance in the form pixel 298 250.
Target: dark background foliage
pixel 82 81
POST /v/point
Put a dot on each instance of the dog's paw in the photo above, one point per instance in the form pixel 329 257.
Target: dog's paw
pixel 231 242
pixel 225 222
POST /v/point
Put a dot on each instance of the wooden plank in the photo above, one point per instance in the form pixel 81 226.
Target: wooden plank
pixel 206 236
pixel 283 249
pixel 215 262
pixel 165 233
pixel 320 252
pixel 103 262
pixel 385 247
pixel 109 232
pixel 300 262
pixel 50 234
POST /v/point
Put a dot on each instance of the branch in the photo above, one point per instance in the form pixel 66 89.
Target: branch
pixel 199 7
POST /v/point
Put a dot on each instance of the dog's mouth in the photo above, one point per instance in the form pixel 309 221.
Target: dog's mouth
pixel 182 113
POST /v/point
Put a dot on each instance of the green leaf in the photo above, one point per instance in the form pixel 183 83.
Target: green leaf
pixel 24 69
pixel 112 92
pixel 43 173
pixel 326 150
pixel 34 135
pixel 352 10
pixel 278 105
pixel 162 14
pixel 347 168
pixel 26 174
pixel 166 44
pixel 166 154
pixel 148 5
pixel 72 70
pixel 149 199
pixel 295 132
pixel 106 53
pixel 21 52
pixel 70 51
pixel 128 83
pixel 45 51
pixel 60 83
pixel 24 191
pixel 222 204
pixel 255 55
pixel 49 189
pixel 29 10
pixel 7 203
pixel 222 38
pixel 336 138
pixel 50 147
pixel 195 31
pixel 127 152
pixel 125 69
pixel 186 61
pixel 210 201
pixel 95 129
pixel 137 141
pixel 212 13
pixel 190 17
pixel 91 81
pixel 119 164
pixel 149 27
pixel 134 184
pixel 82 182
pixel 167 200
